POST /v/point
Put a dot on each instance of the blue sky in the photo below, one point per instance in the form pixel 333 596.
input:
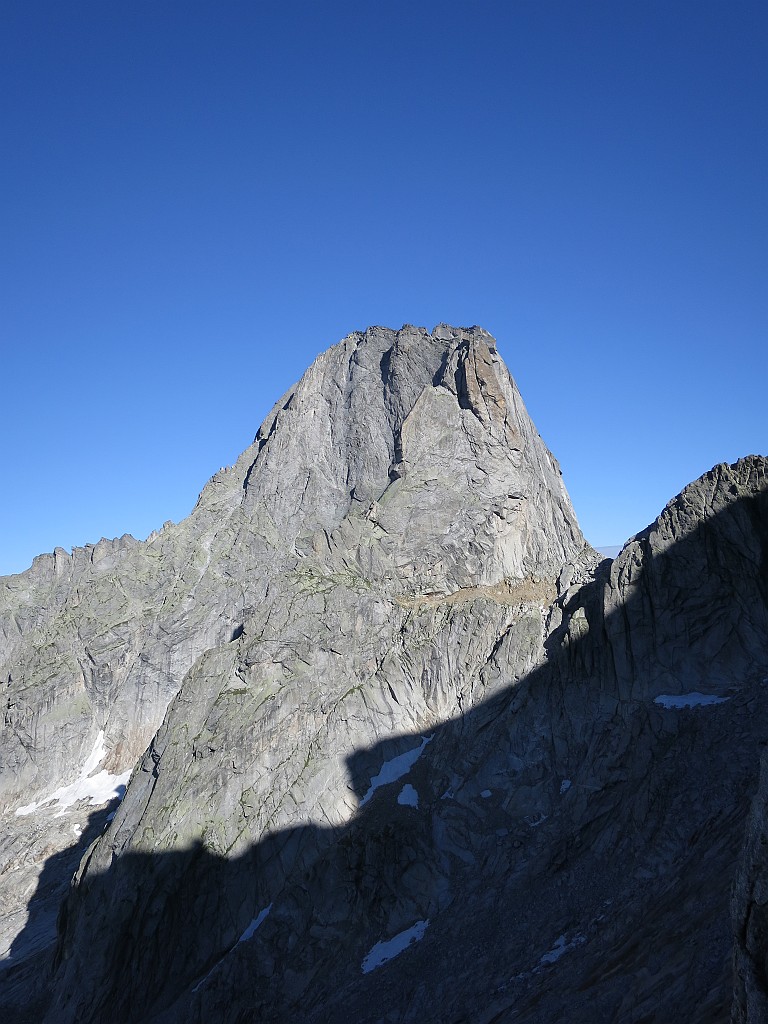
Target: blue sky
pixel 198 198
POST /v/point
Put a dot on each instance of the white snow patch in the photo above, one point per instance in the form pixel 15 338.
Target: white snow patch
pixel 688 700
pixel 247 934
pixel 258 920
pixel 97 789
pixel 565 785
pixel 95 757
pixel 560 947
pixel 384 951
pixel 408 796
pixel 485 794
pixel 395 769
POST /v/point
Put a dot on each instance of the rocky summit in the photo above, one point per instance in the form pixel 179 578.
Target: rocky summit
pixel 374 735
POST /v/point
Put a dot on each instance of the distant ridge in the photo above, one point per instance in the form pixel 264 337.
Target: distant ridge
pixel 609 550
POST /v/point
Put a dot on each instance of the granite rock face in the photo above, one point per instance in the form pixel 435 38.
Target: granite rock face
pixel 415 752
pixel 403 462
pixel 750 914
pixel 391 439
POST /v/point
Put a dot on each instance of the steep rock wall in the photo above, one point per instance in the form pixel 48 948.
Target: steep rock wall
pixel 403 463
pixel 579 774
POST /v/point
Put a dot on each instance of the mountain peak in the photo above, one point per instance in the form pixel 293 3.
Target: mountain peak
pixel 384 710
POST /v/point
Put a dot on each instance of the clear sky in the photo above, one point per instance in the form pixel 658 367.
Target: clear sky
pixel 199 197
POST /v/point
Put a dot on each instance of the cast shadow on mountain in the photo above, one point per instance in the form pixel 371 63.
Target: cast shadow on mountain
pixel 564 794
pixel 25 976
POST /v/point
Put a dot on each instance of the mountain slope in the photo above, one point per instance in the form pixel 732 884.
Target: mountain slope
pixel 436 760
pixel 360 477
pixel 414 420
pixel 575 832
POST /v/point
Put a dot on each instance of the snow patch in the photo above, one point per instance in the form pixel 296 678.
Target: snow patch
pixel 96 789
pixel 408 796
pixel 688 700
pixel 258 920
pixel 560 947
pixel 384 951
pixel 247 934
pixel 95 757
pixel 565 785
pixel 395 769
pixel 485 794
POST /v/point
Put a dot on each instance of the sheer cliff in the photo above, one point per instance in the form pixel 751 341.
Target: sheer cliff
pixel 405 747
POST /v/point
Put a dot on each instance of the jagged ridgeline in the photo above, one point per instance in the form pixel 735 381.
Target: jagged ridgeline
pixel 398 744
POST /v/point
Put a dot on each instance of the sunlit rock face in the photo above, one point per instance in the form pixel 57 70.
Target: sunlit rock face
pixel 414 752
pixel 401 456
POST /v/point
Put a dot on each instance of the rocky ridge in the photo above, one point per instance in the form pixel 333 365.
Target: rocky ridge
pixel 406 703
